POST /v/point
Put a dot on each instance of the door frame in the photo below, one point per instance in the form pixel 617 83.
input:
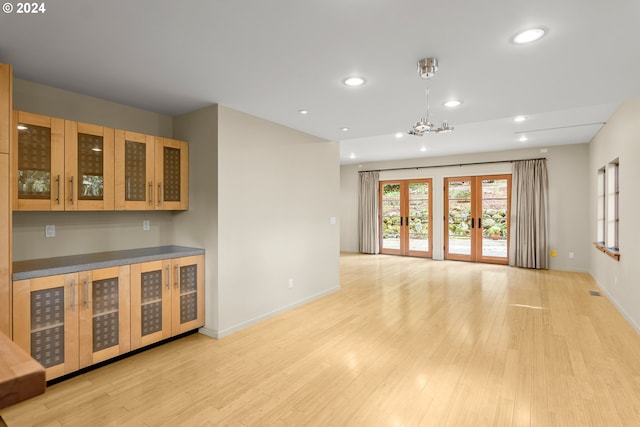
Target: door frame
pixel 476 234
pixel 404 218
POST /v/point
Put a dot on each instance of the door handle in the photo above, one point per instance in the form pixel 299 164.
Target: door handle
pixel 479 222
pixel 400 221
pixel 473 222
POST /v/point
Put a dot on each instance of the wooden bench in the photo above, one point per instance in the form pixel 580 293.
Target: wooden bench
pixel 21 377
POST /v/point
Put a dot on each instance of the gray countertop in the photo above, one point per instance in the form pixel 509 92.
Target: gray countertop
pixel 31 269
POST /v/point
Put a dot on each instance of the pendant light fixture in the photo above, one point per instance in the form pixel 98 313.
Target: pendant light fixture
pixel 427 68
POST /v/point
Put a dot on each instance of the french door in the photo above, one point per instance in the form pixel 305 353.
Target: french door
pixel 477 218
pixel 405 217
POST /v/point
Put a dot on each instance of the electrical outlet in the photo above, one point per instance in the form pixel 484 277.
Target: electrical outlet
pixel 290 283
pixel 145 225
pixel 49 231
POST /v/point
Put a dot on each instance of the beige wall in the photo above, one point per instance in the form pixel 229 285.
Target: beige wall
pixel 78 232
pixel 277 190
pixel 198 226
pixel 620 138
pixel 568 196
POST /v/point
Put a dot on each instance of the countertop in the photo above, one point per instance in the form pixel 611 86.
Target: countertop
pixel 30 269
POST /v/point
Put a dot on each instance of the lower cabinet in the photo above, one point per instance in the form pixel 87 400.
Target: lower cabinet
pixel 167 298
pixel 71 321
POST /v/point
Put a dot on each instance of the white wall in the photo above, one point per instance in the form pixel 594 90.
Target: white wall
pixel 619 138
pixel 277 190
pixel 568 196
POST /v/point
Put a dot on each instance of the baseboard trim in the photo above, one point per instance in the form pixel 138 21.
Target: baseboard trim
pixel 218 334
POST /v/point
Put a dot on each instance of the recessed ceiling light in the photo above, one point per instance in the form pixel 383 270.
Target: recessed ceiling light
pixel 344 129
pixel 452 103
pixel 303 111
pixel 528 36
pixel 519 119
pixel 423 149
pixel 354 81
pixel 352 155
pixel 523 138
pixel 399 135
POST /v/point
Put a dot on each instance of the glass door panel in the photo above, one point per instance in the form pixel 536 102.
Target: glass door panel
pixel 419 216
pixel 405 217
pixel 459 218
pixel 494 222
pixel 391 217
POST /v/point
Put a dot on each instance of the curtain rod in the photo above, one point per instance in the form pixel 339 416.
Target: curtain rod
pixel 453 164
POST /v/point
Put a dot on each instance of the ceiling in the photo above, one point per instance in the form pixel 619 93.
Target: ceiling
pixel 274 58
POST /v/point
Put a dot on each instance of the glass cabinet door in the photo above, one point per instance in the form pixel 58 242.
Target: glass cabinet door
pixel 38 162
pixel 46 321
pixel 134 171
pixel 104 314
pixel 172 174
pixel 188 294
pixel 150 302
pixel 89 167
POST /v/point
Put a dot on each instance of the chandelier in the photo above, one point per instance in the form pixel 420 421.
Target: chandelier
pixel 427 68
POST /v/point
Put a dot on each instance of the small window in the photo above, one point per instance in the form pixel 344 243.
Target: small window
pixel 612 205
pixel 600 211
pixel 608 209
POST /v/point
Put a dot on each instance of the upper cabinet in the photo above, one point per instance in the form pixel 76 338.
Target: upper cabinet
pixel 89 167
pixel 172 174
pixel 37 162
pixel 66 165
pixel 134 171
pixel 151 173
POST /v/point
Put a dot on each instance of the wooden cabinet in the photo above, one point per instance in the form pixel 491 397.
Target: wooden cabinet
pixel 6 76
pixel 71 321
pixel 104 322
pixel 134 171
pixel 37 173
pixel 152 173
pixel 172 174
pixel 89 167
pixel 61 164
pixel 6 97
pixel 167 298
pixel 45 322
pixel 66 165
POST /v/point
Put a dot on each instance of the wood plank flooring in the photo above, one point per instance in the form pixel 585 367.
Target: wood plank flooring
pixel 405 342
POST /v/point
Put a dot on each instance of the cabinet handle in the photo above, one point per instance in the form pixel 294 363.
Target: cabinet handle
pixel 159 194
pixel 150 193
pixel 168 278
pixel 73 294
pixel 72 191
pixel 86 292
pixel 177 276
pixel 58 181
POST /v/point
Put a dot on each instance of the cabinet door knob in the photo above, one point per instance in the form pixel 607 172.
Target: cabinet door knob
pixel 150 193
pixel 159 194
pixel 168 278
pixel 86 292
pixel 177 276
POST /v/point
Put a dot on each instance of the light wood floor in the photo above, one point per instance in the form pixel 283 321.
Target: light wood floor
pixel 406 342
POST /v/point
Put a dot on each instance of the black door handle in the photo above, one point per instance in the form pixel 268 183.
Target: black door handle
pixel 479 222
pixel 472 222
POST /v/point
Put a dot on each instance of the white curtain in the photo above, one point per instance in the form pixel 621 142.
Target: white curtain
pixel 368 212
pixel 529 246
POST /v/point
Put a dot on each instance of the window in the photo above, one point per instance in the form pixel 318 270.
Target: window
pixel 608 220
pixel 612 206
pixel 600 214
